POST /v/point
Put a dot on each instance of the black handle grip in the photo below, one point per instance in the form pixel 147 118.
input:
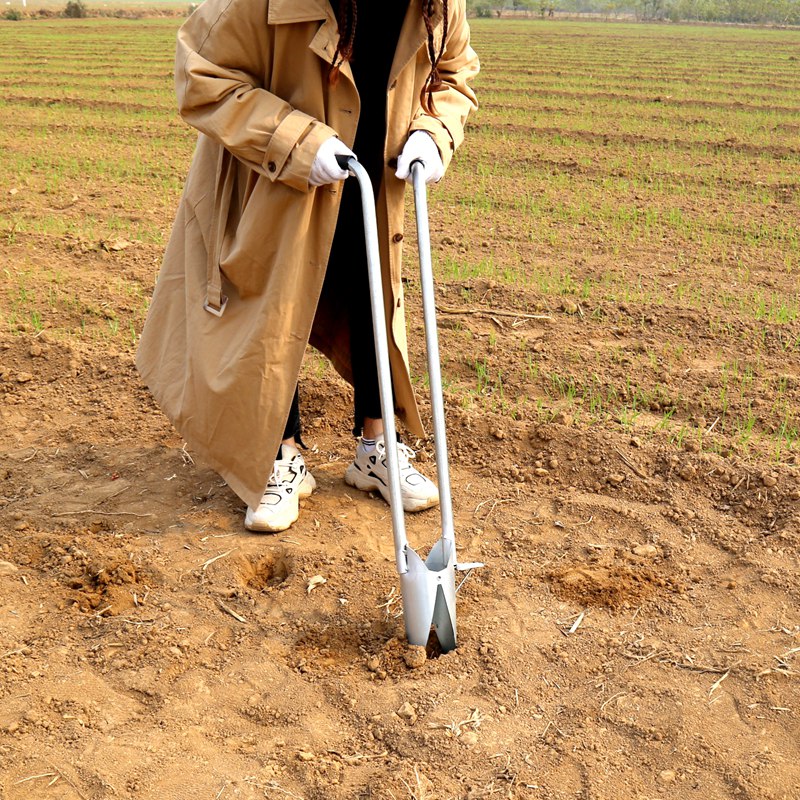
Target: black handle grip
pixel 344 161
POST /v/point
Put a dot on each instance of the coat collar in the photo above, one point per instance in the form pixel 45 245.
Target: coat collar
pixel 283 11
pixel 412 37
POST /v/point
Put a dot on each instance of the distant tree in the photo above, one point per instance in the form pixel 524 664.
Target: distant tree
pixel 651 9
pixel 482 9
pixel 75 9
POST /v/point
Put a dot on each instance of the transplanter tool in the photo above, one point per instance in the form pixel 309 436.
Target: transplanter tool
pixel 429 586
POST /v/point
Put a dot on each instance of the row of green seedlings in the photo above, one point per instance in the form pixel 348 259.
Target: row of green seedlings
pixel 600 402
pixel 558 208
pixel 61 305
pixel 597 403
pixel 624 286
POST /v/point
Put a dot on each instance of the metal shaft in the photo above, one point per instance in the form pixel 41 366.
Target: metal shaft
pixel 432 346
pixel 384 367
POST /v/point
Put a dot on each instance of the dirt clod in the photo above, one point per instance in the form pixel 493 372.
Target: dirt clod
pixel 415 657
pixel 408 713
pixel 687 472
pixel 569 307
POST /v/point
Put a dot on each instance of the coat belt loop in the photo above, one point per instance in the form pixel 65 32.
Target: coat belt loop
pixel 215 301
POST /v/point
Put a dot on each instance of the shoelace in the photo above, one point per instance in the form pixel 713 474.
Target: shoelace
pixel 275 480
pixel 281 474
pixel 274 483
pixel 287 472
pixel 404 454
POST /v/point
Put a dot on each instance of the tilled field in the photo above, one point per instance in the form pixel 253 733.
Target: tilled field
pixel 617 249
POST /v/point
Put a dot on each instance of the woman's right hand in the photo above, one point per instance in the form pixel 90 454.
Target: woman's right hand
pixel 325 168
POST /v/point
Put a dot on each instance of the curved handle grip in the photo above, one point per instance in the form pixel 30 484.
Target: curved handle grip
pixel 344 161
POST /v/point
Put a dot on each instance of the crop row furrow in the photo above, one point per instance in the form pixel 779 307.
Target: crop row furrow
pixel 606 139
pixel 91 84
pixel 645 78
pixel 667 82
pixel 701 130
pixel 490 89
pixel 80 102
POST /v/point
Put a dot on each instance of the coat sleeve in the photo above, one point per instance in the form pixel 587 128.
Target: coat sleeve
pixel 452 104
pixel 223 60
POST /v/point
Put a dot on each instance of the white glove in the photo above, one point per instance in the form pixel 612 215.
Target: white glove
pixel 420 147
pixel 325 168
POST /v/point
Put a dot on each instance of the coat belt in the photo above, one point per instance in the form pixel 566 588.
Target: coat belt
pixel 215 300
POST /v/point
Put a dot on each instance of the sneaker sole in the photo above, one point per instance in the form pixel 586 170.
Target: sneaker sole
pixel 274 525
pixel 266 527
pixel 352 477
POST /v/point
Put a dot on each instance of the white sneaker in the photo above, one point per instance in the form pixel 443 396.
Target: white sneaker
pixel 289 482
pixel 368 472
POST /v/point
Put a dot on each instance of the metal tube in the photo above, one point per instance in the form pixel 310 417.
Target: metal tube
pixel 382 356
pixel 432 346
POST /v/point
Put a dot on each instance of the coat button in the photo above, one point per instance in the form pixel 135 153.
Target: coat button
pixel 272 166
pixel 397 238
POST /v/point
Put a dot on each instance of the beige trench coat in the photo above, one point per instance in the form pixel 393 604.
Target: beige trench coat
pixel 252 77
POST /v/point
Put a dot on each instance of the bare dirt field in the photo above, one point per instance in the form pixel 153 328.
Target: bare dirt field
pixel 627 467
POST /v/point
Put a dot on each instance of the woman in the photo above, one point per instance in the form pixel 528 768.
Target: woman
pixel 267 250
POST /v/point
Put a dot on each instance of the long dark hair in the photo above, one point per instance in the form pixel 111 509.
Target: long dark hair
pixel 347 19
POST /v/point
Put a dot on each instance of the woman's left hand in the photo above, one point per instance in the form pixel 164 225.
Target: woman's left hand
pixel 420 147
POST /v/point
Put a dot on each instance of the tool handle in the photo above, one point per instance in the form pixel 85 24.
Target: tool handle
pixel 432 347
pixel 382 356
pixel 344 161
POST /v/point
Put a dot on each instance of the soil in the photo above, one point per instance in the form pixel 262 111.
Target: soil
pixel 634 632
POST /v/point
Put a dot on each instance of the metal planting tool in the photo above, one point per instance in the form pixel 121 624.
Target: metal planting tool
pixel 429 586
